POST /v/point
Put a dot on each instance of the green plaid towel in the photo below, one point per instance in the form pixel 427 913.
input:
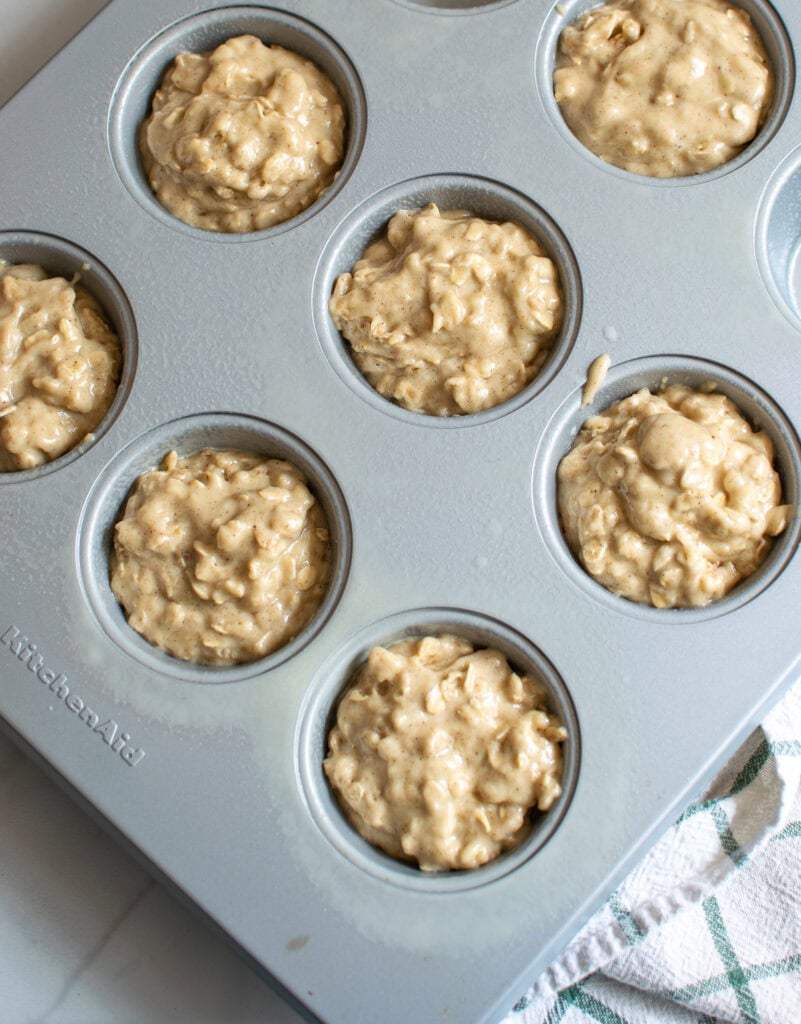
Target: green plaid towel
pixel 708 927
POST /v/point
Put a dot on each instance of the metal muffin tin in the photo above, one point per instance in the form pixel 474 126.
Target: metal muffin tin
pixel 214 775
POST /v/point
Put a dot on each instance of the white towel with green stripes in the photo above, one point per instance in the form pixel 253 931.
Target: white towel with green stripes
pixel 708 927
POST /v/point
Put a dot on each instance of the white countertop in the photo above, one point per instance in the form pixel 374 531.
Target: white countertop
pixel 86 936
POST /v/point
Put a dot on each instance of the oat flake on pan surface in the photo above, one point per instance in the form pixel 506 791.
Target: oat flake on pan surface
pixel 596 375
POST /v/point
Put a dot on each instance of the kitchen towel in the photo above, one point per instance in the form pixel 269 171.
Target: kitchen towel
pixel 708 927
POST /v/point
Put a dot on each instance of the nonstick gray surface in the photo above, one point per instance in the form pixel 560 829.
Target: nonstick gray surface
pixel 214 775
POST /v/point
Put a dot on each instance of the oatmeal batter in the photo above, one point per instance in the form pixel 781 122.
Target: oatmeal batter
pixel 242 138
pixel 59 366
pixel 670 499
pixel 449 314
pixel 220 557
pixel 664 88
pixel 440 751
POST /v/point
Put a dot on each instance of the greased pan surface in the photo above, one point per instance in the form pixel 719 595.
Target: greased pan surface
pixel 215 774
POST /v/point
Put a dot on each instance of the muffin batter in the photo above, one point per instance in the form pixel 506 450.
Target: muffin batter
pixel 440 751
pixel 243 137
pixel 220 557
pixel 449 314
pixel 670 499
pixel 59 366
pixel 664 88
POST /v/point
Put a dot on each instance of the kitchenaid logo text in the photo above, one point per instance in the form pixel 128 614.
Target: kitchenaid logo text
pixel 26 652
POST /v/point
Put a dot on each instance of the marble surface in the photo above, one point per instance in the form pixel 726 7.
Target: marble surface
pixel 104 944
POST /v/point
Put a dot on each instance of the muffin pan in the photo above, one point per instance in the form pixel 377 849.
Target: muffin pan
pixel 214 775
